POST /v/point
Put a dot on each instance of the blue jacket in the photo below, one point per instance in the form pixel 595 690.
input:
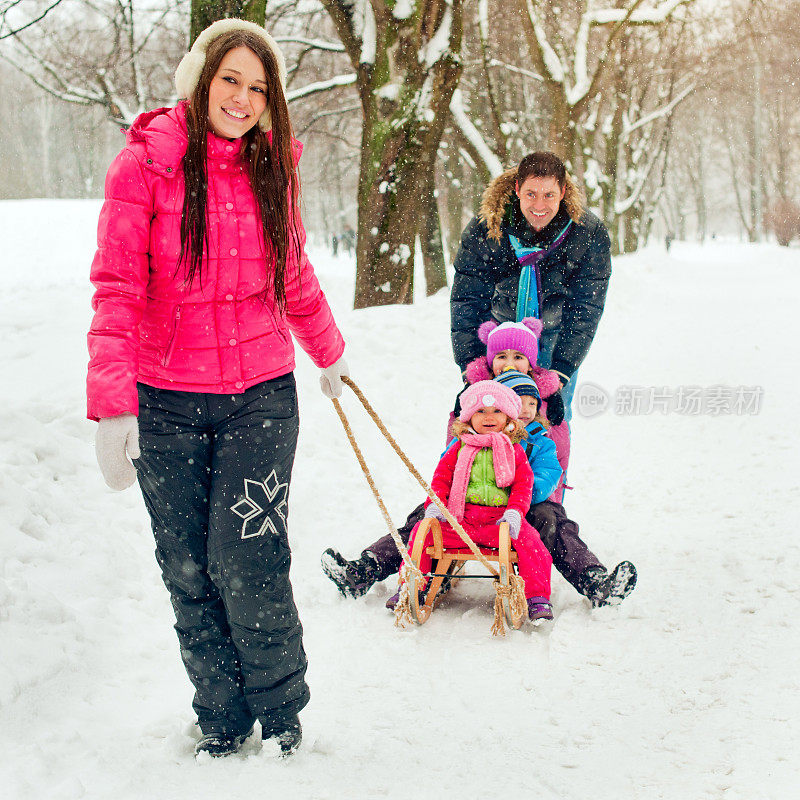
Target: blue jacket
pixel 541 453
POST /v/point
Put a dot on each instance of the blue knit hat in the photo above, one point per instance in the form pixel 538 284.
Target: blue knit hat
pixel 521 383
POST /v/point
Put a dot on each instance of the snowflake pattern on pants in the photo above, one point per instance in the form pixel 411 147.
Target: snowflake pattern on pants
pixel 259 496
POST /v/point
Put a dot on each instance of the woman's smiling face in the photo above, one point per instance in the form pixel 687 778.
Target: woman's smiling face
pixel 237 95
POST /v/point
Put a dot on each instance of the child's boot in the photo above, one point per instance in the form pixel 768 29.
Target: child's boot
pixel 539 610
pixel 603 589
pixel 352 578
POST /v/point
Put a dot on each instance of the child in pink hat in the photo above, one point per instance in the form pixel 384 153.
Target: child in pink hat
pixel 484 478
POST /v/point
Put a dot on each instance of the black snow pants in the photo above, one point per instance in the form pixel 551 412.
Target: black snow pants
pixel 215 473
pixel 559 534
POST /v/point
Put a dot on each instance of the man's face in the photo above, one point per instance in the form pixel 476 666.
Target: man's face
pixel 539 199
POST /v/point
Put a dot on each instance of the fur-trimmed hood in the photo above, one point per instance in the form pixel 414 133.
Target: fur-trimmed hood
pixel 497 196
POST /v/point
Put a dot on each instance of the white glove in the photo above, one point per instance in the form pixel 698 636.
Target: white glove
pixel 117 439
pixel 434 511
pixel 514 520
pixel 331 379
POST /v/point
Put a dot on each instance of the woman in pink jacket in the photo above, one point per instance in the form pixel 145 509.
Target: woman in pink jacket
pixel 200 276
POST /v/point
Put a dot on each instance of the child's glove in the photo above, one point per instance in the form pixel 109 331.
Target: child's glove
pixel 434 511
pixel 331 379
pixel 514 520
pixel 117 439
pixel 555 408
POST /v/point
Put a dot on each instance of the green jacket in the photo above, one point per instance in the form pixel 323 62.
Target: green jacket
pixel 482 489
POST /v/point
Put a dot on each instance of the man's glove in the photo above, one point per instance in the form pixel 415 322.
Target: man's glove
pixel 514 520
pixel 330 381
pixel 116 441
pixel 555 408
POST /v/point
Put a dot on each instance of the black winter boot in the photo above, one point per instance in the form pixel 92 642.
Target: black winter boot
pixel 220 744
pixel 288 732
pixel 352 578
pixel 608 590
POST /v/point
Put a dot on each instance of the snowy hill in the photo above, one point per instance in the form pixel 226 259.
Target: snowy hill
pixel 690 689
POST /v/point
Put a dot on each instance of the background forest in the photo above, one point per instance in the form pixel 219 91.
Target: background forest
pixel 679 117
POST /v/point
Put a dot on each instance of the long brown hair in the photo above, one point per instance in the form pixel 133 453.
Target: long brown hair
pixel 273 176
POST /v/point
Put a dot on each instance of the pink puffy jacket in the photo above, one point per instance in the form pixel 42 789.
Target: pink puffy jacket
pixel 221 335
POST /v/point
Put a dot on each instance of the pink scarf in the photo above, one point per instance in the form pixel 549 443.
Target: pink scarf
pixel 502 459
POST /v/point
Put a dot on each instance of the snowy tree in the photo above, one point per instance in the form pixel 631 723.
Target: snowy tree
pixel 736 155
pixel 406 60
pixel 110 54
pixel 600 84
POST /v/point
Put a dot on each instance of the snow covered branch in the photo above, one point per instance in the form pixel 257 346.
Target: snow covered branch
pixel 316 44
pixel 349 18
pixel 645 16
pixel 321 86
pixel 439 43
pixel 658 113
pixel 549 58
pixel 5 34
pixel 519 70
pixel 369 34
pixel 473 135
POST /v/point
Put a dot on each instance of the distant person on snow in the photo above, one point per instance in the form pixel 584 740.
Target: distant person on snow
pixel 348 239
pixel 200 275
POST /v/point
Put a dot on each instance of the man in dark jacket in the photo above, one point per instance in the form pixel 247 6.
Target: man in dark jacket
pixel 532 251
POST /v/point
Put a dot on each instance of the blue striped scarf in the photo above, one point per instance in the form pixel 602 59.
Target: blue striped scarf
pixel 528 301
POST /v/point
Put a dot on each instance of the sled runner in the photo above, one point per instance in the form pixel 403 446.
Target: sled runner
pixel 450 561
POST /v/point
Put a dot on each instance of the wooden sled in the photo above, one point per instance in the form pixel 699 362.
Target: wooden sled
pixel 450 562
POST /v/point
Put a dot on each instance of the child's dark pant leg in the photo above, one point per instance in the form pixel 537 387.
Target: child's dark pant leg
pixel 385 550
pixel 570 554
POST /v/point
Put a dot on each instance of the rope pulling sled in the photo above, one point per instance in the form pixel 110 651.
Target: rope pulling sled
pixel 509 587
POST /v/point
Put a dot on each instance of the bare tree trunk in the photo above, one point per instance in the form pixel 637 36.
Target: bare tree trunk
pixel 45 123
pixel 756 157
pixel 455 199
pixel 430 236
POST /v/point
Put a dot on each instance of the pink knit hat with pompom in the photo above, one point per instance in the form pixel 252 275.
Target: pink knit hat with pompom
pixel 520 336
pixel 488 394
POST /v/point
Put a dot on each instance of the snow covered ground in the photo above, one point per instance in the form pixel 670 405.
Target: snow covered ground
pixel 690 689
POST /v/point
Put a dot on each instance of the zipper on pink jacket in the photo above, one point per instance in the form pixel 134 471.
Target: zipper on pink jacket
pixel 176 318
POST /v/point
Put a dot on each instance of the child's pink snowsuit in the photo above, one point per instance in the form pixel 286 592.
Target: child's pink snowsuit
pixel 480 522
